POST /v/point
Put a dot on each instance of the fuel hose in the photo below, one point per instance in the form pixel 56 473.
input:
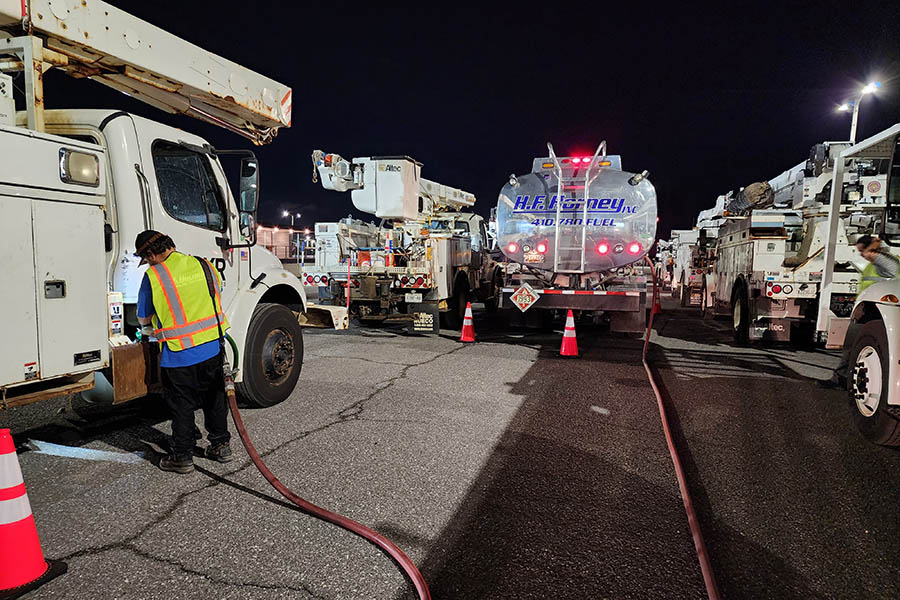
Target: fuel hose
pixel 709 580
pixel 402 560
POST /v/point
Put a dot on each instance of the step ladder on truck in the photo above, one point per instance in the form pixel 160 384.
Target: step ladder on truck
pixel 870 334
pixel 77 186
pixel 574 233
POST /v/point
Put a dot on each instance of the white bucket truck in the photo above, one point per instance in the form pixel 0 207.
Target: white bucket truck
pixel 77 186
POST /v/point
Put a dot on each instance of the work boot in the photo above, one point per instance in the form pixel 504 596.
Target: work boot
pixel 177 463
pixel 220 452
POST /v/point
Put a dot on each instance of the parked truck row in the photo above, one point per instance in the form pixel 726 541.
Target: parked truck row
pixel 782 262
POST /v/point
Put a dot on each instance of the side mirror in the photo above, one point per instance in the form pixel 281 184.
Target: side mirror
pixel 248 228
pixel 249 186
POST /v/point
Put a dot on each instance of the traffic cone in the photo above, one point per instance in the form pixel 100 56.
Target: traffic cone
pixel 468 329
pixel 22 563
pixel 569 343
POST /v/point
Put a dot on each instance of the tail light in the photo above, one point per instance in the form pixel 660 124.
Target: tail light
pixel 512 248
pixel 542 248
pixel 324 280
pixel 419 280
pixel 634 248
pixel 309 278
pixel 602 248
pixel 776 288
pixel 404 280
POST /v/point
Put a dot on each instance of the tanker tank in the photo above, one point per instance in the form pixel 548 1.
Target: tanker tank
pixel 544 222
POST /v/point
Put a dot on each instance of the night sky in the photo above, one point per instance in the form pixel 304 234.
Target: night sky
pixel 706 99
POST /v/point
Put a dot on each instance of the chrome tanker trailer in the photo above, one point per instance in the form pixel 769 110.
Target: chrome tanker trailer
pixel 574 233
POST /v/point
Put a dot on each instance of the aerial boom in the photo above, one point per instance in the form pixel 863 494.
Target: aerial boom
pixel 96 40
pixel 389 187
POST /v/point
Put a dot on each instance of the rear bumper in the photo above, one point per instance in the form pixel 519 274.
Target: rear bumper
pixel 613 301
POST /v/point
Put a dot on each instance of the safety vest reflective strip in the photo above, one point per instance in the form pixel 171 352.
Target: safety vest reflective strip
pixel 186 331
pixel 164 277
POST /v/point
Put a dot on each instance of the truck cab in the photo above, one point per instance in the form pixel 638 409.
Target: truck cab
pixel 88 181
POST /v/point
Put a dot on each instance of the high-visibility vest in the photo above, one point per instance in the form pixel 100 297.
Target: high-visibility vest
pixel 869 276
pixel 184 312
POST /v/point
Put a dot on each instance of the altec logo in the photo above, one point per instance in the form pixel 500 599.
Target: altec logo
pixel 540 204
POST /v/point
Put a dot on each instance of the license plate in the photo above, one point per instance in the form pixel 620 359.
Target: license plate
pixel 412 297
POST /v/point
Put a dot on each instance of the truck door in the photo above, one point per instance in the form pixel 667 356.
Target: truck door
pixel 191 205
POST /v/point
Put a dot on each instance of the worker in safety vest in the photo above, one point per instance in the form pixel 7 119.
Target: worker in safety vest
pixel 882 266
pixel 174 306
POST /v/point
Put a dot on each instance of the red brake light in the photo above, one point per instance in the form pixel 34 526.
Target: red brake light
pixel 404 280
pixel 776 288
pixel 419 281
pixel 324 279
pixel 602 248
pixel 634 248
pixel 512 248
pixel 309 278
pixel 542 248
pixel 576 160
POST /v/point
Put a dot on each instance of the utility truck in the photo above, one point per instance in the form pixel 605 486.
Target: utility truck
pixel 770 252
pixel 423 262
pixel 690 251
pixel 77 186
pixel 577 228
pixel 870 331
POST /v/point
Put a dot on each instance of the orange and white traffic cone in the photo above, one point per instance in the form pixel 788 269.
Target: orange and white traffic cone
pixel 468 328
pixel 569 343
pixel 23 565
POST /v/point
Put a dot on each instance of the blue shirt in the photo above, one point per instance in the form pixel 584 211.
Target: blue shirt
pixel 172 358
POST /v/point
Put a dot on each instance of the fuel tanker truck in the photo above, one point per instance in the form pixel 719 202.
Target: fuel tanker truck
pixel 574 233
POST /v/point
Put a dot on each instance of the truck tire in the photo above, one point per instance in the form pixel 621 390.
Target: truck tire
pixel 682 296
pixel 492 302
pixel 869 382
pixel 273 355
pixel 740 309
pixel 705 311
pixel 456 308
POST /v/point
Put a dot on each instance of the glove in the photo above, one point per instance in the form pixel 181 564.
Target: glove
pixel 146 333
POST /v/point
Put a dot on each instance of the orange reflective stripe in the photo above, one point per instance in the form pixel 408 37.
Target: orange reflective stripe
pixel 177 295
pixel 162 286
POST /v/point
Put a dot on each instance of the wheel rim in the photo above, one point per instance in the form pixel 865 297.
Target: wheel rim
pixel 867 380
pixel 737 316
pixel 278 356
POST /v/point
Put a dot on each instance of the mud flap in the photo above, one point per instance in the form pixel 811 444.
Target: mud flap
pixel 425 318
pixel 324 316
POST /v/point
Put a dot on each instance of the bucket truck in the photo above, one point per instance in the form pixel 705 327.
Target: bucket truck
pixel 426 260
pixel 77 186
pixel 770 253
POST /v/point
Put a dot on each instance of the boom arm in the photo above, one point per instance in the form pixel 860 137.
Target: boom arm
pixel 388 187
pixel 101 42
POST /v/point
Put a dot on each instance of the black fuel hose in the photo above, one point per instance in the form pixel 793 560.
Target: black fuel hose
pixel 405 563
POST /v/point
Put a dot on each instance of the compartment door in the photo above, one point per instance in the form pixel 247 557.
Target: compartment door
pixel 70 273
pixel 18 344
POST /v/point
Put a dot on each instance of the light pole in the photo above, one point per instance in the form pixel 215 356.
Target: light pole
pixel 291 215
pixel 854 104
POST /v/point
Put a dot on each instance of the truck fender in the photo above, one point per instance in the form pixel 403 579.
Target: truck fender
pixel 277 287
pixel 889 314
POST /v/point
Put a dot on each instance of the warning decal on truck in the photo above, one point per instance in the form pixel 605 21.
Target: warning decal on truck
pixel 524 297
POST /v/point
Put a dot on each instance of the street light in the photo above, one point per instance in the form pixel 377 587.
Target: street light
pixel 869 88
pixel 291 215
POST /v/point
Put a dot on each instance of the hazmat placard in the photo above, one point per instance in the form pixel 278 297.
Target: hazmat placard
pixel 524 297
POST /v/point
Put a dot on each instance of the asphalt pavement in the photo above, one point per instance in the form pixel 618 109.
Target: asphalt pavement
pixel 503 470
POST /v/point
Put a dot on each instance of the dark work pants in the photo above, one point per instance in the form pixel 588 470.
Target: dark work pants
pixel 188 388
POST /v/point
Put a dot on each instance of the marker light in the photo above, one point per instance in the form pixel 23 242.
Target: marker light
pixel 602 248
pixel 542 248
pixel 512 248
pixel 634 248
